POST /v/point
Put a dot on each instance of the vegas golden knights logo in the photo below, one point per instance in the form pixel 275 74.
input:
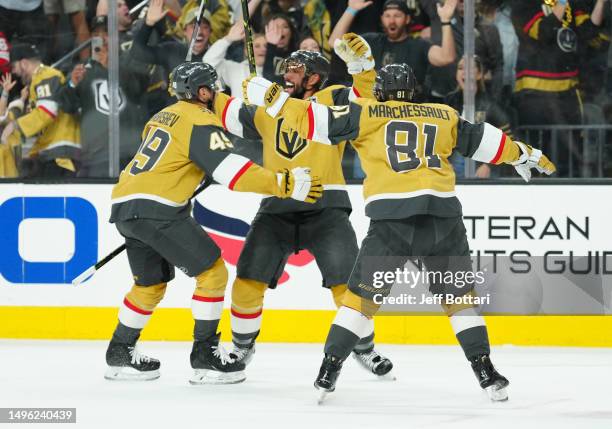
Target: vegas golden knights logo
pixel 288 144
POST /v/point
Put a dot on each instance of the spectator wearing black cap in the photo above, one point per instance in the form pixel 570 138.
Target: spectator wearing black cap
pixel 88 92
pixel 395 45
pixel 56 148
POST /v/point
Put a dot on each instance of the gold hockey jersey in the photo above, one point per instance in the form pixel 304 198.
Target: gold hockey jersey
pixel 181 144
pixel 284 148
pixel 404 150
pixel 57 131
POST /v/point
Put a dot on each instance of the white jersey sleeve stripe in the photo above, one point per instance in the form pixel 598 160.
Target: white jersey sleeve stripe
pixel 490 144
pixel 318 124
pixel 48 106
pixel 230 169
pixel 230 119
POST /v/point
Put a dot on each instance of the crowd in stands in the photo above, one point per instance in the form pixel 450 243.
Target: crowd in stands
pixel 539 64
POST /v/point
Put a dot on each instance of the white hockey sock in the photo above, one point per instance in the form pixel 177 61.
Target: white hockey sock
pixel 245 327
pixel 207 313
pixel 466 319
pixel 132 316
pixel 354 321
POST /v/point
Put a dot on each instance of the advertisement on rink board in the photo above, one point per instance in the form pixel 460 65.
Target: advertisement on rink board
pixel 51 233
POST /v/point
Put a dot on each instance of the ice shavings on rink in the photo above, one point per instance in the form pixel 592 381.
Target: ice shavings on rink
pixel 435 388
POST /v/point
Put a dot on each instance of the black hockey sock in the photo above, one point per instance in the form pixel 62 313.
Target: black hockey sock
pixel 365 344
pixel 474 341
pixel 126 335
pixel 340 342
pixel 204 329
pixel 244 340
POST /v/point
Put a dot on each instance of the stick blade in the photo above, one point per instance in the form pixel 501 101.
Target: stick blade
pixel 85 275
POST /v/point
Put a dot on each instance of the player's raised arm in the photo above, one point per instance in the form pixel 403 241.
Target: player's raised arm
pixel 312 121
pixel 485 143
pixel 355 51
pixel 237 118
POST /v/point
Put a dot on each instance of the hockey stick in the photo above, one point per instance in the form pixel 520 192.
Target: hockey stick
pixel 138 7
pixel 246 19
pixel 196 30
pixel 92 270
pixel 70 54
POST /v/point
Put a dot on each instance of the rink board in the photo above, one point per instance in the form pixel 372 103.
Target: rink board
pixel 50 233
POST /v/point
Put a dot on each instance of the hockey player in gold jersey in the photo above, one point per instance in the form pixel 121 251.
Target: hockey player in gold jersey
pixel 409 192
pixel 151 208
pixel 56 148
pixel 282 227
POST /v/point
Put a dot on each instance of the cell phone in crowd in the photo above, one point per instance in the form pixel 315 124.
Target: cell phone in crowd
pixel 96 47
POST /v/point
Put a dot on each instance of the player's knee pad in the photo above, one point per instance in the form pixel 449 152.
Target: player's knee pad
pixel 146 297
pixel 338 292
pixel 365 306
pixel 453 308
pixel 212 282
pixel 248 295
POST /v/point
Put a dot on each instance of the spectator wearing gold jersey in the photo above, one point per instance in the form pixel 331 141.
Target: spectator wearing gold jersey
pixel 56 148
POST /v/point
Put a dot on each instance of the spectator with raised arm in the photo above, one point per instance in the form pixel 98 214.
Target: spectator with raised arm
pixel 552 35
pixel 232 73
pixel 170 53
pixel 8 112
pixel 487 46
pixel 281 39
pixel 395 45
pixel 56 148
pixel 87 92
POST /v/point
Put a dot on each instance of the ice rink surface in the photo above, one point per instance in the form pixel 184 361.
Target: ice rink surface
pixel 435 388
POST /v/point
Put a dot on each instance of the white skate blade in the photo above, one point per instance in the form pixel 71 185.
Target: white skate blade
pixel 497 393
pixel 322 395
pixel 390 376
pixel 126 373
pixel 209 376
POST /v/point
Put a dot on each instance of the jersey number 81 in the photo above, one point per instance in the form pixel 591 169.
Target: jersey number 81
pixel 403 156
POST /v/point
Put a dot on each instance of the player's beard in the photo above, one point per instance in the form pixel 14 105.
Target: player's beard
pixel 298 90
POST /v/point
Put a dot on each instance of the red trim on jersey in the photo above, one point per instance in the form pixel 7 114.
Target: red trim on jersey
pixel 537 73
pixel 47 111
pixel 208 299
pixel 500 149
pixel 356 92
pixel 135 309
pixel 224 114
pixel 246 316
pixel 532 21
pixel 244 168
pixel 172 16
pixel 311 124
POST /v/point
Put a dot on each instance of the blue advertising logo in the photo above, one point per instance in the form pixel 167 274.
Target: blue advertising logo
pixel 80 212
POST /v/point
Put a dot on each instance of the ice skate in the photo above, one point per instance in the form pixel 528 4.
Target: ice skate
pixel 490 380
pixel 213 365
pixel 126 363
pixel 243 354
pixel 376 363
pixel 328 374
